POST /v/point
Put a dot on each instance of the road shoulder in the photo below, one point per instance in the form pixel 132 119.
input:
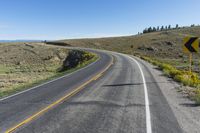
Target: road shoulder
pixel 184 110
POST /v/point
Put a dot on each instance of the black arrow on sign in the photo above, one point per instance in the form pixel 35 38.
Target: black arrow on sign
pixel 189 43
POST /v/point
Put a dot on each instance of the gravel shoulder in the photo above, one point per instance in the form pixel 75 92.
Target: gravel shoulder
pixel 185 110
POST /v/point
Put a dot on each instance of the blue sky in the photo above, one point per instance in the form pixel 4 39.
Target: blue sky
pixel 59 19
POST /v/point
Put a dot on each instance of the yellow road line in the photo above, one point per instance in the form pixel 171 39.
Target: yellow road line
pixel 98 76
pixel 72 93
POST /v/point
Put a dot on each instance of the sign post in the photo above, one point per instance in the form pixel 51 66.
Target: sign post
pixel 190 69
pixel 191 45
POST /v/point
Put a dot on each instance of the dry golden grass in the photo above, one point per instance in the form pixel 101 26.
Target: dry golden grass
pixel 22 64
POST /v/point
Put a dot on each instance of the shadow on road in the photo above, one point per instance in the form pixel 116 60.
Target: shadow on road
pixel 126 84
pixel 189 105
pixel 133 84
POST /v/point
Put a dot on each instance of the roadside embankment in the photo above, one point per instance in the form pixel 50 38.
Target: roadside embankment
pixel 24 65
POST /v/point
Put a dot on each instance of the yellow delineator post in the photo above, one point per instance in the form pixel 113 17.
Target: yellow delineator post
pixel 191 45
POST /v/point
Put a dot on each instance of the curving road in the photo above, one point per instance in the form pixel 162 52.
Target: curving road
pixel 110 96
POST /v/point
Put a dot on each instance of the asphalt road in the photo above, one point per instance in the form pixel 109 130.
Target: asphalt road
pixel 114 103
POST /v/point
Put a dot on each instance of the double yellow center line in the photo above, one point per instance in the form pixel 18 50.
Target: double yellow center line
pixel 67 96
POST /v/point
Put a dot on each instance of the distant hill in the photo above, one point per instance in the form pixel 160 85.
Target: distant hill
pixel 167 44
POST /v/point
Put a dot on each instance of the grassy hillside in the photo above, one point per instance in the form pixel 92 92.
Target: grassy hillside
pixel 165 45
pixel 23 65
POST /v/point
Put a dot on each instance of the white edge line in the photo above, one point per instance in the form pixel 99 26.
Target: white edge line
pixel 147 108
pixel 32 88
